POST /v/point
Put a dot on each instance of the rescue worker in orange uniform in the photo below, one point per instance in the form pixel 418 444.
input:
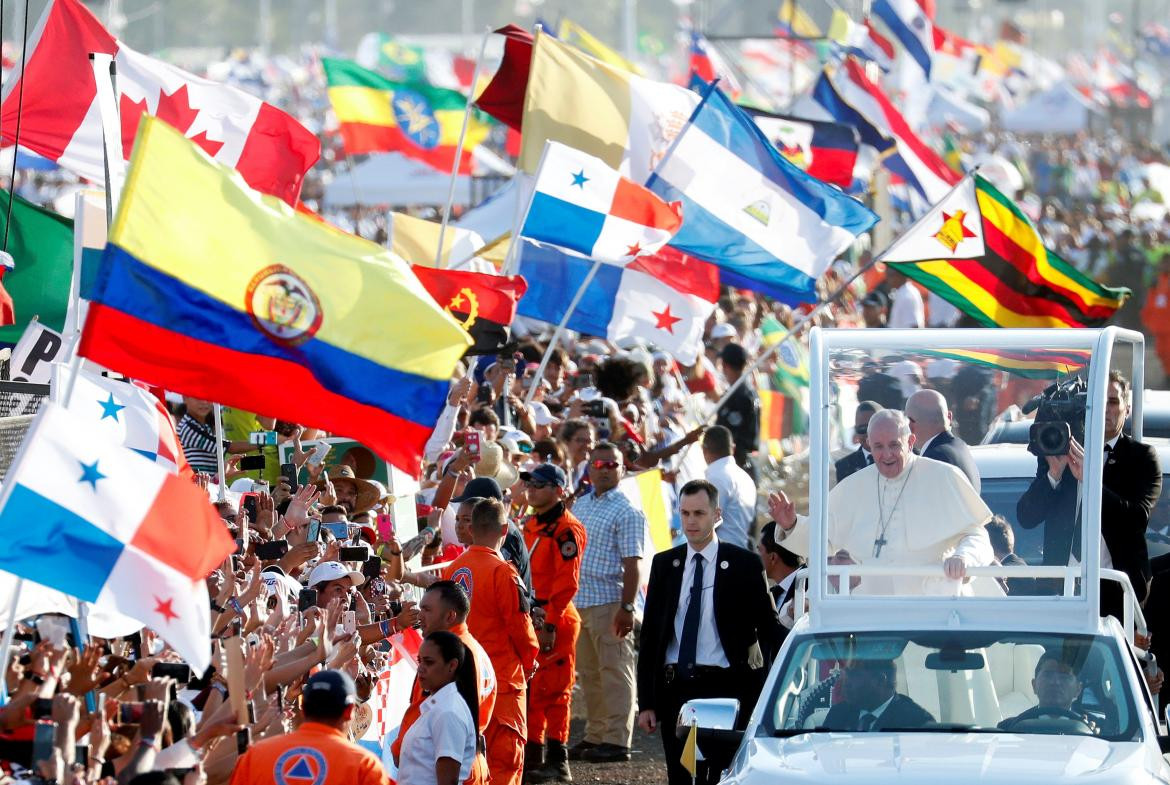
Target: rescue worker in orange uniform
pixel 445 606
pixel 500 621
pixel 555 540
pixel 1156 313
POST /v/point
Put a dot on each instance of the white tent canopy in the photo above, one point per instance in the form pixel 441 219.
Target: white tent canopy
pixel 395 180
pixel 1059 110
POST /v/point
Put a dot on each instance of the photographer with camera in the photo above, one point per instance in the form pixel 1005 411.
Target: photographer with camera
pixel 1132 483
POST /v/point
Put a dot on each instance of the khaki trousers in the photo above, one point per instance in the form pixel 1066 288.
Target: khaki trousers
pixel 605 669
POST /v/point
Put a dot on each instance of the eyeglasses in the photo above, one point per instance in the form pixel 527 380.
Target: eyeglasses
pixel 536 485
pixel 600 464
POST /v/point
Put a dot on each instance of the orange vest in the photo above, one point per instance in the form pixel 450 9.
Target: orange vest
pixel 555 543
pixel 312 753
pixel 499 617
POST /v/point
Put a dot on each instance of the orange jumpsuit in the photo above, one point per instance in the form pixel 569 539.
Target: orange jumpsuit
pixel 486 676
pixel 556 540
pixel 499 620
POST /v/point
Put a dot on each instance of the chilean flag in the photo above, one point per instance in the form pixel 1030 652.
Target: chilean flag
pixel 56 101
pixel 131 416
pixel 912 27
pixel 581 204
pixel 89 518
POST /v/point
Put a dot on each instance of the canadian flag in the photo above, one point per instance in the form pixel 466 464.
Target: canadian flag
pixel 56 100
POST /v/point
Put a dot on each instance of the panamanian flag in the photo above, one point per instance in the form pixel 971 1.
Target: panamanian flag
pixel 581 204
pixel 130 415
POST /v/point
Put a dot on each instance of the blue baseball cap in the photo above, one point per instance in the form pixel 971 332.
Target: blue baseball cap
pixel 547 472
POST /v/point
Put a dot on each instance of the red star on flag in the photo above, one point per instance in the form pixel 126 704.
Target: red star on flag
pixel 633 250
pixel 164 608
pixel 666 320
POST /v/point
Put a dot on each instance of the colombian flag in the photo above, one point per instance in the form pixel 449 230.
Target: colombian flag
pixel 211 289
pixel 413 118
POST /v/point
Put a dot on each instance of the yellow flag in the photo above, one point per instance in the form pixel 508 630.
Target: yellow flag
pixel 840 26
pixel 572 33
pixel 798 21
pixel 690 753
pixel 416 240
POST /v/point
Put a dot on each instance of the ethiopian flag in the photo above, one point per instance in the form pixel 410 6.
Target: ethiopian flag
pixel 414 118
pixel 979 252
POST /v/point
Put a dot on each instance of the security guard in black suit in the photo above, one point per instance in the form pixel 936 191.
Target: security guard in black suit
pixel 859 459
pixel 1132 483
pixel 710 629
pixel 741 412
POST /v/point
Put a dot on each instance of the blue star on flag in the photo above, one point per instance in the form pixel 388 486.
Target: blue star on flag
pixel 110 408
pixel 90 474
pixel 580 179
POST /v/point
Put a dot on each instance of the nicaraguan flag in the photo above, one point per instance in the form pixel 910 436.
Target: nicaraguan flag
pixel 910 25
pixel 581 204
pixel 748 209
pixel 94 520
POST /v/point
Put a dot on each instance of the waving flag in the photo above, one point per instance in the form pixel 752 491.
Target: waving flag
pixel 911 26
pixel 88 517
pixel 272 312
pixel 708 65
pixel 56 97
pixel 583 205
pixel 977 251
pixel 626 120
pixel 663 299
pixel 748 209
pixel 827 151
pixel 484 304
pixel 130 416
pixel 414 118
pixel 849 97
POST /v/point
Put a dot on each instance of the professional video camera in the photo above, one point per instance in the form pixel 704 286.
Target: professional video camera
pixel 1060 416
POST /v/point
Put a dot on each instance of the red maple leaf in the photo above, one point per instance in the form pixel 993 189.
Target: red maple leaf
pixel 165 609
pixel 174 109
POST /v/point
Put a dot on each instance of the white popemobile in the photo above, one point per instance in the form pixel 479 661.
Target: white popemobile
pixel 1031 687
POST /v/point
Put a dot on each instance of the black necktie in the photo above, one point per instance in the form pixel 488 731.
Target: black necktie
pixel 690 632
pixel 869 459
pixel 867 721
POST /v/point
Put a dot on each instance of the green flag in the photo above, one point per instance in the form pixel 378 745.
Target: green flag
pixel 41 243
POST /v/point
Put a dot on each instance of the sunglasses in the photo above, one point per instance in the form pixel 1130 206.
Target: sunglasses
pixel 600 464
pixel 861 430
pixel 536 485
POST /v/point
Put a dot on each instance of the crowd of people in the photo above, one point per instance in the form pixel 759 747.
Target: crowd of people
pixel 525 580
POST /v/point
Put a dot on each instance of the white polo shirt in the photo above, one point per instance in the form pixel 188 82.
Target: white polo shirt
pixel 444 729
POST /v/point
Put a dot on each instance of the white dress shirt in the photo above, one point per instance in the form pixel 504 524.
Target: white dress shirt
pixel 737 499
pixel 906 308
pixel 877 713
pixel 444 729
pixel 785 609
pixel 708 649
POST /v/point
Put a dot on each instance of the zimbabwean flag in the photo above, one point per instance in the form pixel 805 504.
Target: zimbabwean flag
pixel 978 251
pixel 414 118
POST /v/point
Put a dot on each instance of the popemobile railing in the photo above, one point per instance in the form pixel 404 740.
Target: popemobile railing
pixel 1133 615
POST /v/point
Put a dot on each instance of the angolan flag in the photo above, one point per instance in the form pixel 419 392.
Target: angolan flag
pixel 979 252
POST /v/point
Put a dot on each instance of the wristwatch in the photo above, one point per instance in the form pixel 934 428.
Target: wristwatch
pixel 628 607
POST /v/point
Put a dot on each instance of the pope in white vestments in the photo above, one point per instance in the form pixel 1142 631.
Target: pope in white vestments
pixel 903 510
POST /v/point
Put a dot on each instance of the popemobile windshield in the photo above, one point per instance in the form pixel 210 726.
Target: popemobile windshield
pixel 916 655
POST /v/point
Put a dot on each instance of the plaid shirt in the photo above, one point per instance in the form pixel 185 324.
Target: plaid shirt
pixel 616 530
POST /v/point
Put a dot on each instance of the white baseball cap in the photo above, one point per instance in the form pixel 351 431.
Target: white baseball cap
pixel 333 571
pixel 541 414
pixel 722 330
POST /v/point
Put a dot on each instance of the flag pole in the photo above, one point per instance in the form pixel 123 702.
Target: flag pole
pixel 217 410
pixel 510 260
pixel 467 109
pixel 800 323
pixel 556 336
pixel 10 632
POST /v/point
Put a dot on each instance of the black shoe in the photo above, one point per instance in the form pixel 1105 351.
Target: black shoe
pixel 556 767
pixel 577 751
pixel 606 753
pixel 533 758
